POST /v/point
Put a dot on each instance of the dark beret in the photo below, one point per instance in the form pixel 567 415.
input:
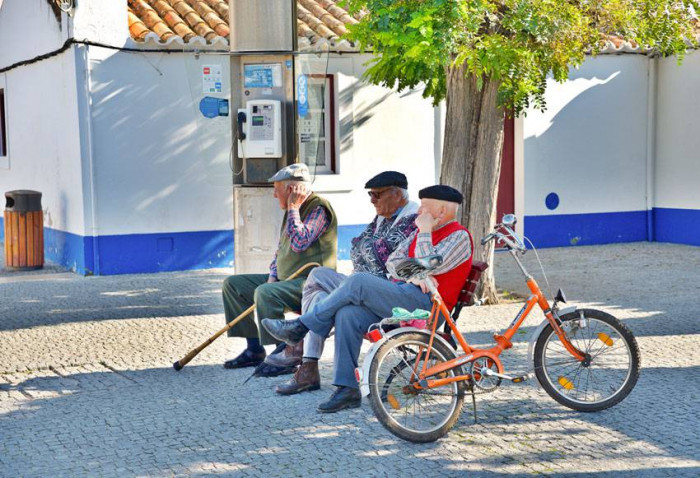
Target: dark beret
pixel 442 192
pixel 388 178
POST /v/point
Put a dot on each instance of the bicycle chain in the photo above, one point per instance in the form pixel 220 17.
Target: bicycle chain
pixel 471 388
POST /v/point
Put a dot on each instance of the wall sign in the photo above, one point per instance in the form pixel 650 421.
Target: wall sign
pixel 266 75
pixel 212 107
pixel 302 96
pixel 212 79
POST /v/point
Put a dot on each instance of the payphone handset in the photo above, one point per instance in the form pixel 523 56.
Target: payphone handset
pixel 260 129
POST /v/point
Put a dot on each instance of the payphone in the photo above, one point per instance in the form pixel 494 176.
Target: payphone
pixel 260 129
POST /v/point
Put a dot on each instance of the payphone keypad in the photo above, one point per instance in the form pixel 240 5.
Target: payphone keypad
pixel 262 123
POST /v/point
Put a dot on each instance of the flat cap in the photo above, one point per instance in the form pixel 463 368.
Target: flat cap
pixel 293 172
pixel 388 178
pixel 441 192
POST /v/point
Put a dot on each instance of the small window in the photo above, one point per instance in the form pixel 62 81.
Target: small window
pixel 3 124
pixel 320 123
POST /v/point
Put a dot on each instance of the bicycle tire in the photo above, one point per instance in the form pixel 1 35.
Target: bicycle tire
pixel 385 374
pixel 562 376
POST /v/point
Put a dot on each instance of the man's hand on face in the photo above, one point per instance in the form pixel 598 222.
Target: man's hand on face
pixel 426 222
pixel 297 195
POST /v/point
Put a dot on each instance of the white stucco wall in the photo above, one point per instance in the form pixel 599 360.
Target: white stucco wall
pixel 379 129
pixel 28 28
pixel 103 21
pixel 589 146
pixel 43 138
pixel 158 164
pixel 677 171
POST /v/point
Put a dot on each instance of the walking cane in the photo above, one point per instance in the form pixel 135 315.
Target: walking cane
pixel 193 353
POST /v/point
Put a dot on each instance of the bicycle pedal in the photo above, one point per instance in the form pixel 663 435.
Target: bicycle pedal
pixel 520 378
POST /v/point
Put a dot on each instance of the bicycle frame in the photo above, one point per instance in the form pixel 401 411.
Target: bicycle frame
pixel 503 340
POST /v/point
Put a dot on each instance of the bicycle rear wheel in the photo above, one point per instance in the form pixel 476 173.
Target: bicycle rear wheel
pixel 605 378
pixel 413 415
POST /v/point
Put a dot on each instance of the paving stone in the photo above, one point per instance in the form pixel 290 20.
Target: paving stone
pixel 87 385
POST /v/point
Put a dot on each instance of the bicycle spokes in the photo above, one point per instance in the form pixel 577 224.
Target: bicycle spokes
pixel 604 370
pixel 412 408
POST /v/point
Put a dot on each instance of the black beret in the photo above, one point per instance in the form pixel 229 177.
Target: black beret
pixel 388 178
pixel 442 192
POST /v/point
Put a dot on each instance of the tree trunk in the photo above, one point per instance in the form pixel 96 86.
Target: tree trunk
pixel 471 159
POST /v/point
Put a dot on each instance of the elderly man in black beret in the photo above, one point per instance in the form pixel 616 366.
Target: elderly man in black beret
pixel 394 222
pixel 364 299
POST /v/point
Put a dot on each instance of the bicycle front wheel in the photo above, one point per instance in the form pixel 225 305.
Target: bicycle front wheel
pixel 415 415
pixel 609 372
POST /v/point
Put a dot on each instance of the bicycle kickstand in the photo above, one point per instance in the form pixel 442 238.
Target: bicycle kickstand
pixel 471 389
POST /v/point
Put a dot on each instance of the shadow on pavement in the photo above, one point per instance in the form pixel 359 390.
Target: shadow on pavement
pixel 176 421
pixel 80 299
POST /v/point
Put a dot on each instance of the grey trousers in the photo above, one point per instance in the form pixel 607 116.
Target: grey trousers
pixel 360 301
pixel 321 282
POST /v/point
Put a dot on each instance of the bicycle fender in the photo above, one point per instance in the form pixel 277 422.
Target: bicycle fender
pixel 363 371
pixel 536 333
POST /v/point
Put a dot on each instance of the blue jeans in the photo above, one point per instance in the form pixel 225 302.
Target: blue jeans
pixel 360 301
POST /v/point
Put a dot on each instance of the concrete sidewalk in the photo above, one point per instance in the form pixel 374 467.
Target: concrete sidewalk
pixel 87 387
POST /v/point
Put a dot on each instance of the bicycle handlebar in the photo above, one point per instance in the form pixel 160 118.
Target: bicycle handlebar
pixel 486 239
pixel 510 239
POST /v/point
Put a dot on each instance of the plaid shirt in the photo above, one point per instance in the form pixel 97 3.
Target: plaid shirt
pixel 454 249
pixel 303 233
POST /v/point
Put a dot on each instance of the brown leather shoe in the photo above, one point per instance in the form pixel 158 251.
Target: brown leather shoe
pixel 289 357
pixel 305 379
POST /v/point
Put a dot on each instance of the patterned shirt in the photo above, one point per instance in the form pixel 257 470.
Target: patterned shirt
pixel 303 233
pixel 454 249
pixel 371 249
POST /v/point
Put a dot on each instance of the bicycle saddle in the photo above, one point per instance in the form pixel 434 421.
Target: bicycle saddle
pixel 413 267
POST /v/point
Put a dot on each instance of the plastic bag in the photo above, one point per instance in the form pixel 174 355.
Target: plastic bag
pixel 418 318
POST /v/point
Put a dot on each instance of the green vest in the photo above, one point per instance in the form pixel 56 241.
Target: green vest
pixel 323 250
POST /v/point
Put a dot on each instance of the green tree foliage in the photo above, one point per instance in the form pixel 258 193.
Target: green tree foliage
pixel 515 42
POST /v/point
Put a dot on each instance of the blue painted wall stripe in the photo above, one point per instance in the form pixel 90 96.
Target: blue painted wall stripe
pixel 140 253
pixel 69 250
pixel 137 253
pixel 560 230
pixel 679 226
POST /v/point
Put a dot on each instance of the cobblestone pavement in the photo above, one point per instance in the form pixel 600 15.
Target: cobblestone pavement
pixel 87 387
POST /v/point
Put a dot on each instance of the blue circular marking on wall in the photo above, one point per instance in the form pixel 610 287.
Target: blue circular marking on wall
pixel 552 201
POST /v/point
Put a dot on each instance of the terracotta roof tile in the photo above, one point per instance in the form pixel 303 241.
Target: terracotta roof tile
pixel 136 27
pixel 151 19
pixel 187 19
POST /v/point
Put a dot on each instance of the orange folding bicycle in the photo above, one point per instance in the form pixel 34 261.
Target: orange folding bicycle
pixel 584 359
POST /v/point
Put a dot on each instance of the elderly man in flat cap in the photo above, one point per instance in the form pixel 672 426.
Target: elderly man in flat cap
pixel 364 299
pixel 309 234
pixel 394 223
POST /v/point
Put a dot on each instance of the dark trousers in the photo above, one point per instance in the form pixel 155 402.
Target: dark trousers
pixel 271 300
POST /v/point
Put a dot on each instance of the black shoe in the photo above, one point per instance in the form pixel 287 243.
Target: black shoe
pixel 289 331
pixel 342 398
pixel 267 370
pixel 246 359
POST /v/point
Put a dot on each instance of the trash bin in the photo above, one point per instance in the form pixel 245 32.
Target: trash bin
pixel 24 230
